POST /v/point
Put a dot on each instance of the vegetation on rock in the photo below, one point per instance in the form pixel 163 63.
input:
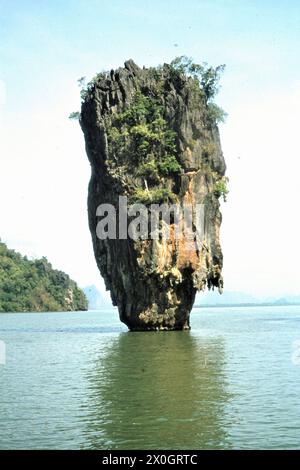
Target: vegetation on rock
pixel 206 79
pixel 153 196
pixel 141 138
pixel 220 187
pixel 34 286
pixel 75 115
pixel 141 141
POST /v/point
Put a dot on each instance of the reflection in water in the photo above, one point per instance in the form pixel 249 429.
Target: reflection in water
pixel 158 390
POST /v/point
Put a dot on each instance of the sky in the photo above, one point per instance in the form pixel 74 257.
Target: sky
pixel 44 172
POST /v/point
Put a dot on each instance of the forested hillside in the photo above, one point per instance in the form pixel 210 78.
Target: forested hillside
pixel 34 286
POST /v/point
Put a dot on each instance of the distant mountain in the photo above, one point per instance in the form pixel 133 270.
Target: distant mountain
pixel 290 299
pixel 95 299
pixel 230 298
pixel 34 286
pixel 213 298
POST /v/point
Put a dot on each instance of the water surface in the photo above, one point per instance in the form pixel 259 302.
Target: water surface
pixel 81 380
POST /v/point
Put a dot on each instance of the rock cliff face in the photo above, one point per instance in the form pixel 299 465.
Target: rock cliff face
pixel 154 282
